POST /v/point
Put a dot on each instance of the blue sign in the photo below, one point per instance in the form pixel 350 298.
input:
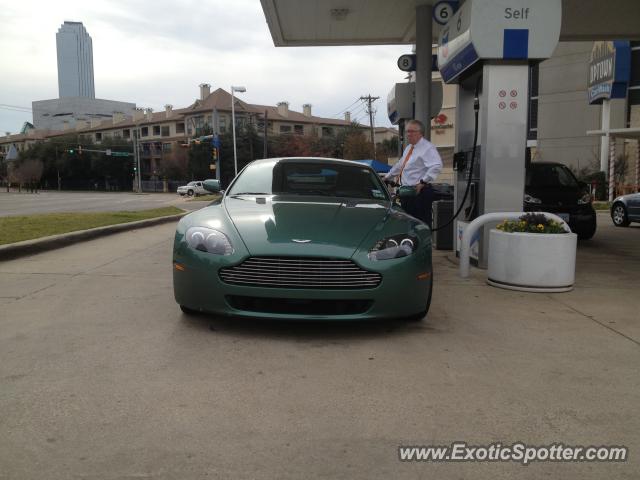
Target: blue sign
pixel 609 70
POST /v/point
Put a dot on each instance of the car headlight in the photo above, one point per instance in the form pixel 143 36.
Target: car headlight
pixel 585 199
pixel 530 199
pixel 396 246
pixel 208 240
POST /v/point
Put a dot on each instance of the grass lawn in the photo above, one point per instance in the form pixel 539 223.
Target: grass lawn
pixel 205 198
pixel 601 205
pixel 27 227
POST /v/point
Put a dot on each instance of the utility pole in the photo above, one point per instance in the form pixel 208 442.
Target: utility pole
pixel 369 99
pixel 266 121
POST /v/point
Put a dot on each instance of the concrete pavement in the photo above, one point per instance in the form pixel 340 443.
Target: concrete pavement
pixel 101 376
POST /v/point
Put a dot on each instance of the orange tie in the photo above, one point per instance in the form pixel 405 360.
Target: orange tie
pixel 404 164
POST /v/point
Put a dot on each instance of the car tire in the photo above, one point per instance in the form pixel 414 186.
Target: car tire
pixel 588 233
pixel 418 317
pixel 190 193
pixel 619 215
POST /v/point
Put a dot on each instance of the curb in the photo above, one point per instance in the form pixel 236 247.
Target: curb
pixel 37 245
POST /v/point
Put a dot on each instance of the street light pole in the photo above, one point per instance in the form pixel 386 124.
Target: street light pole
pixel 233 126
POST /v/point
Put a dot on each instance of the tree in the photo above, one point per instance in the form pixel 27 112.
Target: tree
pixel 357 146
pixel 621 169
pixel 29 172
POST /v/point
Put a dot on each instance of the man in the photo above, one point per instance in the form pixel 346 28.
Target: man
pixel 419 167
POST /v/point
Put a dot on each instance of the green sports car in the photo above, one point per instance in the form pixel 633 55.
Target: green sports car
pixel 303 238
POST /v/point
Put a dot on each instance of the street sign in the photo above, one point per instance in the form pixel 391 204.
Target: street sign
pixel 407 63
pixel 121 154
pixel 108 152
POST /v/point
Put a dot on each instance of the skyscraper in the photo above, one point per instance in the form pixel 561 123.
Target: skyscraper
pixel 75 61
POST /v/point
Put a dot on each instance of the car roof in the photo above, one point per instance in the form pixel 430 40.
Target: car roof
pixel 533 164
pixel 324 160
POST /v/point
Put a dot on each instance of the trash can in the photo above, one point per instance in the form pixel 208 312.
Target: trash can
pixel 442 213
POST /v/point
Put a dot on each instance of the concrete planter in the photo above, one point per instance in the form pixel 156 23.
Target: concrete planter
pixel 532 262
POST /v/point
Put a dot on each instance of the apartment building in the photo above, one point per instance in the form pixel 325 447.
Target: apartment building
pixel 161 134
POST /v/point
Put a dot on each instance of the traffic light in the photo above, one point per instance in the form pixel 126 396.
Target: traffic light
pixel 70 151
pixel 79 149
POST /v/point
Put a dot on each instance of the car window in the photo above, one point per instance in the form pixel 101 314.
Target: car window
pixel 550 176
pixel 310 178
pixel 191 184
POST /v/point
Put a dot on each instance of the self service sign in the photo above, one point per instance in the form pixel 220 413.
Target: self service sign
pixel 609 70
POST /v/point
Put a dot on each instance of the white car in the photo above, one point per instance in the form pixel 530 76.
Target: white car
pixel 191 189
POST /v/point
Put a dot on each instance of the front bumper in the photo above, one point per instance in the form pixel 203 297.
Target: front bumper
pixel 401 293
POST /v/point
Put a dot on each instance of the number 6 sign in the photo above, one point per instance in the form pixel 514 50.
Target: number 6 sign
pixel 443 10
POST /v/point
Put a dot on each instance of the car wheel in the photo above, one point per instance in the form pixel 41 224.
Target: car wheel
pixel 188 311
pixel 588 233
pixel 418 317
pixel 190 193
pixel 619 215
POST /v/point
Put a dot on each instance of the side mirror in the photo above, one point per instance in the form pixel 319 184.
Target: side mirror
pixel 211 185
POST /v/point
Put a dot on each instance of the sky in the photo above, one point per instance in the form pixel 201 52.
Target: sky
pixel 154 53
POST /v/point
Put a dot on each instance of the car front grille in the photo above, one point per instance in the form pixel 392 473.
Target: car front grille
pixel 294 272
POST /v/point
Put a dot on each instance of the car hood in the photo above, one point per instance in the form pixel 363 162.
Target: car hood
pixel 555 196
pixel 304 226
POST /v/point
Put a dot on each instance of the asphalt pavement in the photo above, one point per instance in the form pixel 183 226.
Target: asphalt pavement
pixel 47 201
pixel 102 376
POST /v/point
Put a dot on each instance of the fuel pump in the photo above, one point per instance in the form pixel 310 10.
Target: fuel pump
pixel 486 48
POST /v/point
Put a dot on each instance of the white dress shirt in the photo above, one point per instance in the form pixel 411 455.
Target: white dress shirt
pixel 424 164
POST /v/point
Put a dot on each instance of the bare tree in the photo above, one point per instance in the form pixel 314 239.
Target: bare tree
pixel 29 172
pixel 620 169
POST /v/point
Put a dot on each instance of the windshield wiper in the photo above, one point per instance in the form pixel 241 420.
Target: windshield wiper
pixel 249 193
pixel 323 193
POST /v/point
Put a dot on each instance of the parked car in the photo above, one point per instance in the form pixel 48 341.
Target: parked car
pixel 626 209
pixel 191 189
pixel 552 187
pixel 303 238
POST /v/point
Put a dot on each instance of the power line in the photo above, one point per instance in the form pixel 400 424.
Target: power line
pixel 345 109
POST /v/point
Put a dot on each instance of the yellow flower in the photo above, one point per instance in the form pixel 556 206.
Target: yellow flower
pixel 540 226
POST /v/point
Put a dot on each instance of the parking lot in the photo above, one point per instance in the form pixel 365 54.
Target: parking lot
pixel 101 376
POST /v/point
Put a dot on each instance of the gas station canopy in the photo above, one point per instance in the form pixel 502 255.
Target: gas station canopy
pixel 376 22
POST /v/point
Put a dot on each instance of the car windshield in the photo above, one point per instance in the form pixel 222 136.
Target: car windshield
pixel 192 184
pixel 307 177
pixel 550 176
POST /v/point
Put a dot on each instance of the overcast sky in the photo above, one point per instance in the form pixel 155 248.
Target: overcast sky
pixel 156 52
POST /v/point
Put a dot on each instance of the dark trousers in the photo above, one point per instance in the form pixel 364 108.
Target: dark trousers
pixel 420 205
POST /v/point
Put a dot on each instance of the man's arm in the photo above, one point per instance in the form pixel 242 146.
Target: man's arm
pixel 395 170
pixel 432 163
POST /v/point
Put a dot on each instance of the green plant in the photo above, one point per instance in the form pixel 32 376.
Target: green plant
pixel 531 223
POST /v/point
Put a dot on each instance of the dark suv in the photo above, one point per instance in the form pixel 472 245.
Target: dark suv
pixel 552 187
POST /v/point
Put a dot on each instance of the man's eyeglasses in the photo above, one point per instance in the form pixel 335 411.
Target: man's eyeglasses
pixel 413 131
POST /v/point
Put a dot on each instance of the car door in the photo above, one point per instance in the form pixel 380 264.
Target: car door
pixel 633 207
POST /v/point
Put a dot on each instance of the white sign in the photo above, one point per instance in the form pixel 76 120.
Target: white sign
pixel 442 12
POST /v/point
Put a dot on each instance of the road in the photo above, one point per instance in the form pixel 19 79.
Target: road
pixel 51 201
pixel 102 377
